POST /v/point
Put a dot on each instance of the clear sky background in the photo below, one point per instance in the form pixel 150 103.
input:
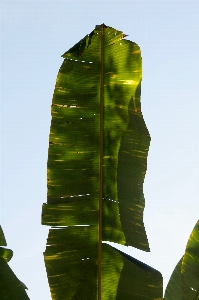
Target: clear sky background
pixel 34 35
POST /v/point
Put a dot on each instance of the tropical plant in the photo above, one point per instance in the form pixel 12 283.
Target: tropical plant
pixel 96 166
pixel 10 286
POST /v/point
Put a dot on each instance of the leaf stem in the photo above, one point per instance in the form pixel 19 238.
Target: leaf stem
pixel 101 161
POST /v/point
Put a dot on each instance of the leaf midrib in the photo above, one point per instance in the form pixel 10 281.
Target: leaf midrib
pixel 101 162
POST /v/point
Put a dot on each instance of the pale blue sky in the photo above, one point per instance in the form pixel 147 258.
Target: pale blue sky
pixel 34 35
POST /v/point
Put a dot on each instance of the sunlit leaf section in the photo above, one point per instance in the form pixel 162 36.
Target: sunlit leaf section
pixel 73 155
pixel 6 253
pixel 126 143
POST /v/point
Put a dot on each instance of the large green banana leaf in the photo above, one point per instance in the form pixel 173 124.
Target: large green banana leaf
pixel 184 281
pixel 10 286
pixel 96 166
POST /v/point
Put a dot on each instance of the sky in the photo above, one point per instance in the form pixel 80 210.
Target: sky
pixel 34 35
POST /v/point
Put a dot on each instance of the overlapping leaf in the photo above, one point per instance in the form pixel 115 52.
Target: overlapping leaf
pixel 70 259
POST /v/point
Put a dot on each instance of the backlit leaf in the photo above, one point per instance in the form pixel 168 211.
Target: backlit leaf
pixel 97 157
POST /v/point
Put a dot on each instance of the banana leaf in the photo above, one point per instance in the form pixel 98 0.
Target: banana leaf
pixel 184 281
pixel 97 160
pixel 173 289
pixel 10 286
